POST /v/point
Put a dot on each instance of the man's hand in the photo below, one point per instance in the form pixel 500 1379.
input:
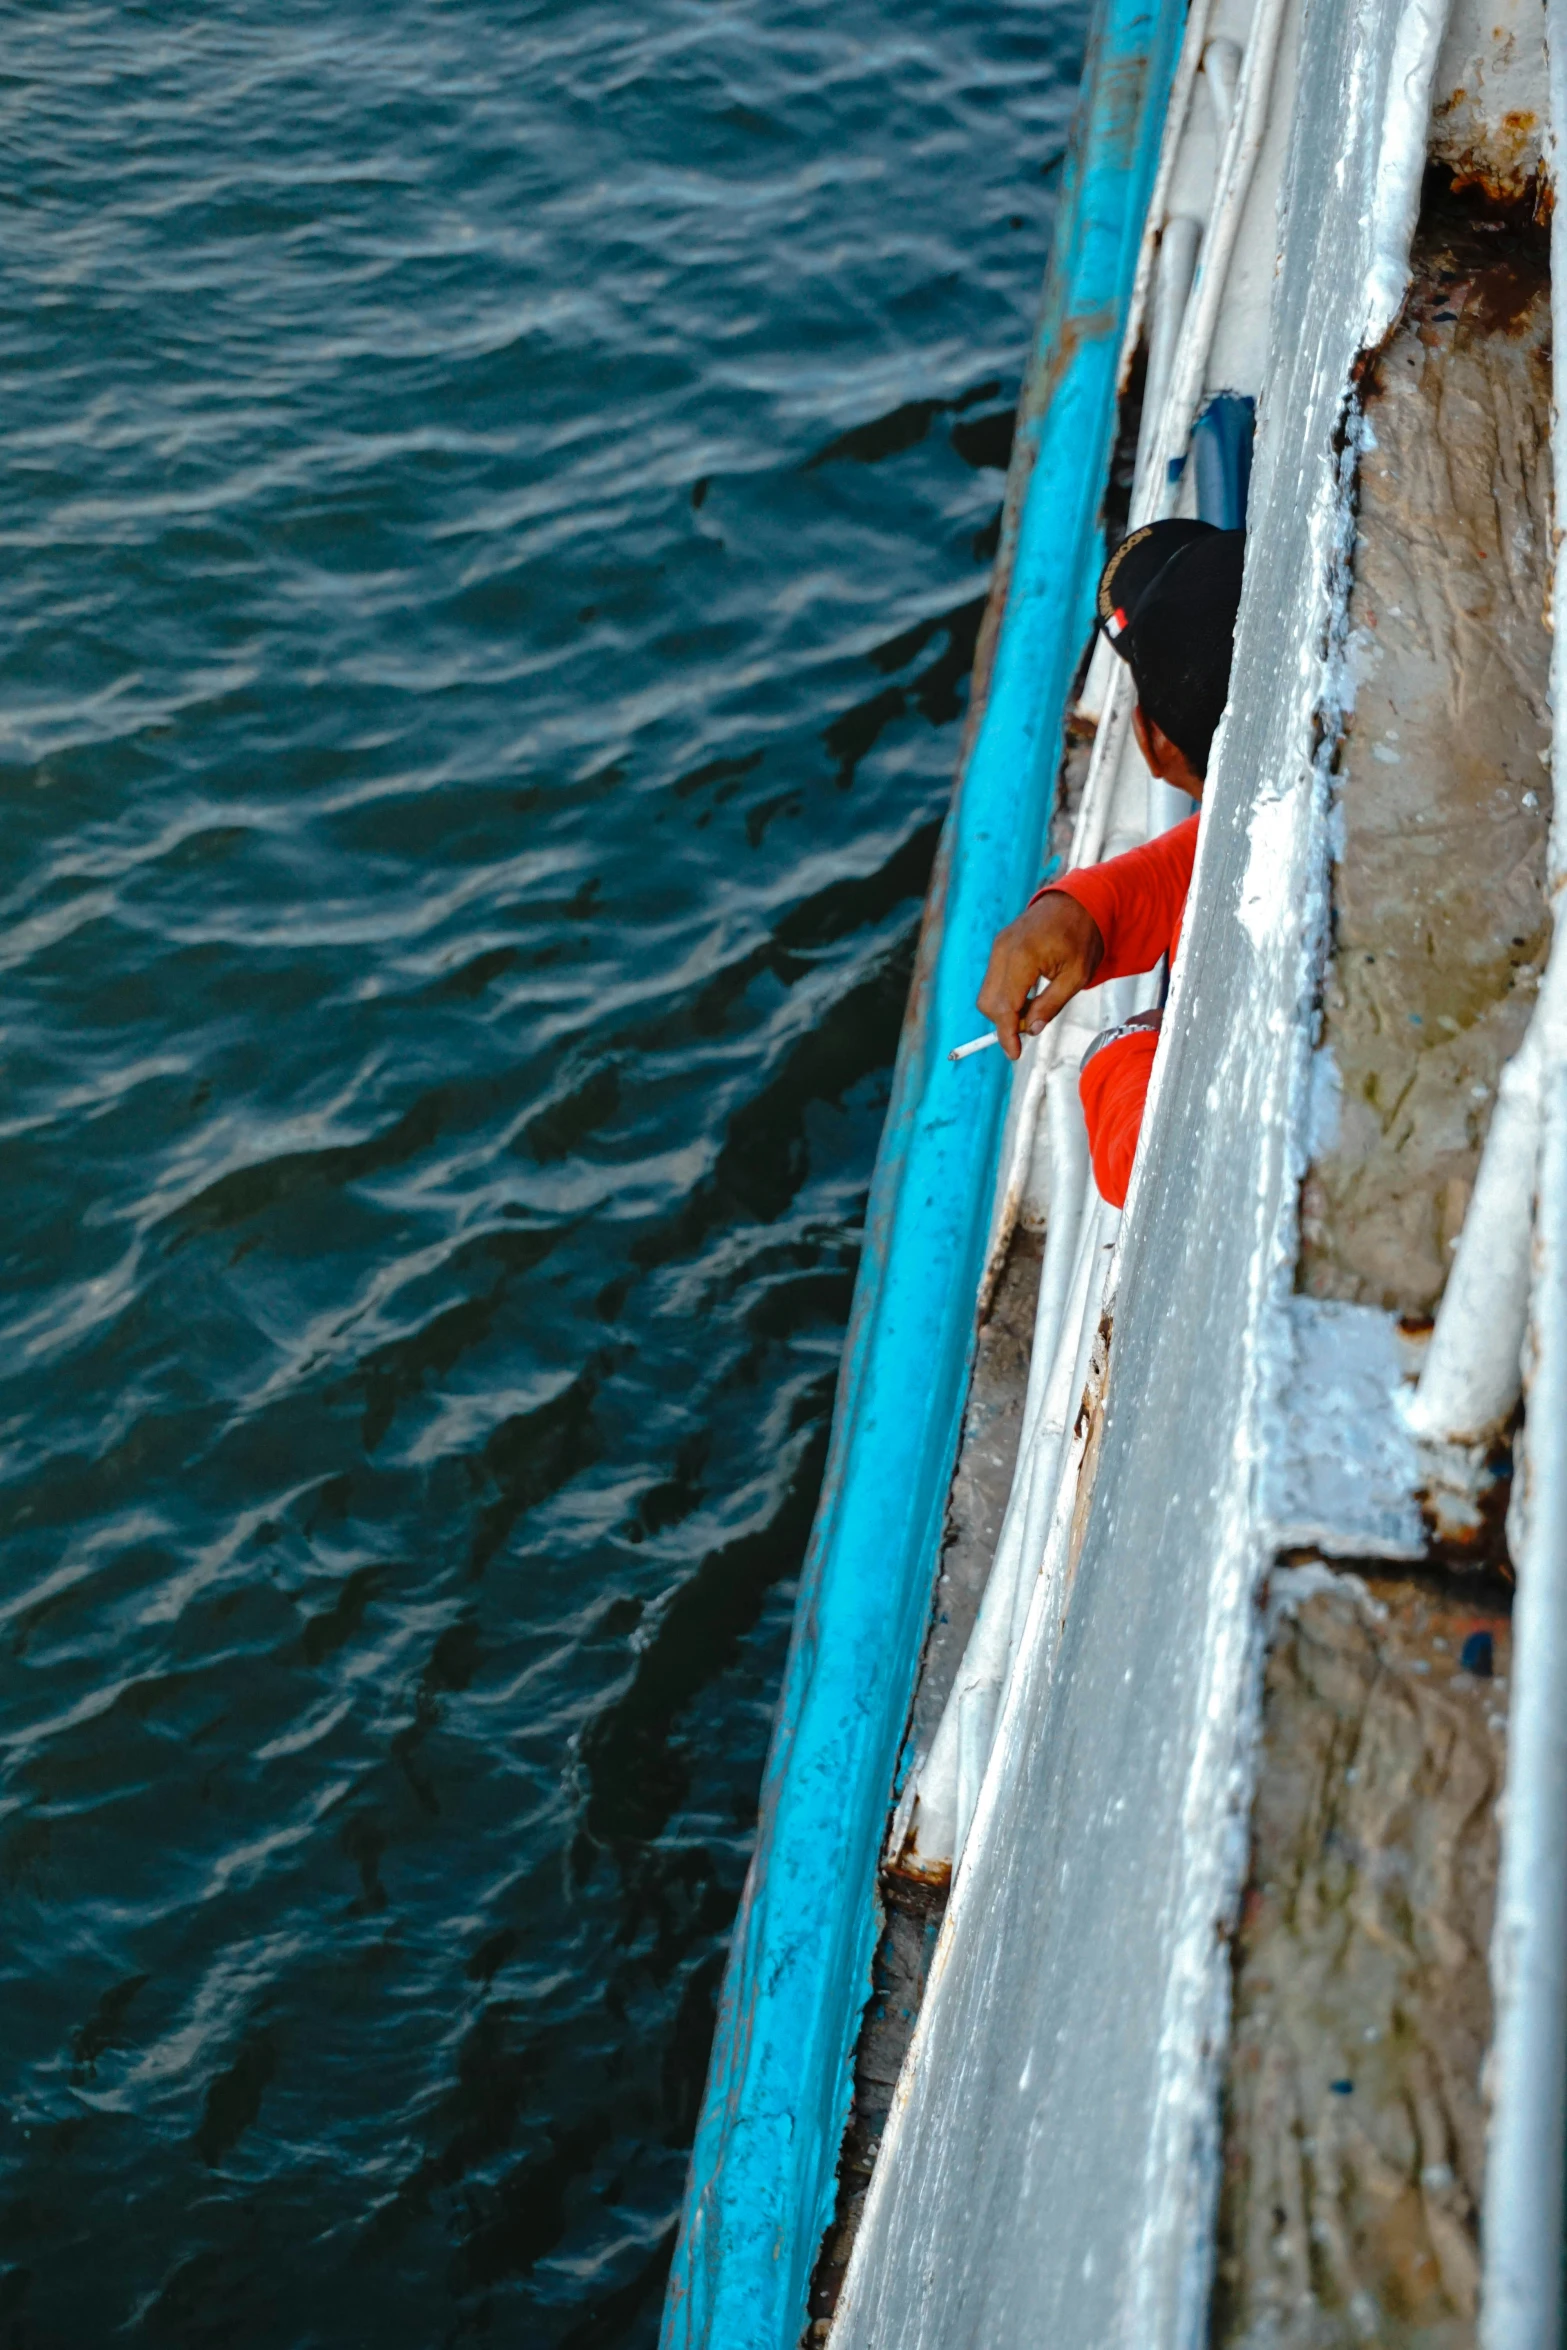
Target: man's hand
pixel 1055 940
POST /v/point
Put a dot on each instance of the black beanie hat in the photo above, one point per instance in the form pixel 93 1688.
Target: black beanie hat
pixel 1167 602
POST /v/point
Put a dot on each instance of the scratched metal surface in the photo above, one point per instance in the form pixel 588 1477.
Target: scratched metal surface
pixel 1050 2174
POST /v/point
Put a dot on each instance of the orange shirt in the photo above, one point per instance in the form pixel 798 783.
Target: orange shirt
pixel 1138 902
pixel 1114 1090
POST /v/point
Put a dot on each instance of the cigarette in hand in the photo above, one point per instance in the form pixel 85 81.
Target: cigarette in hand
pixel 960 1052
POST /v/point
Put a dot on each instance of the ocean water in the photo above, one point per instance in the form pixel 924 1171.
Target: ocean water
pixel 496 503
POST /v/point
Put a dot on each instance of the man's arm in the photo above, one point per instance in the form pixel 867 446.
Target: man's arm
pixel 1101 922
pixel 1136 900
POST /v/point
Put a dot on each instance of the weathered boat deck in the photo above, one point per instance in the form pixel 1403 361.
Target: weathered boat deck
pixel 1440 926
pixel 1354 2125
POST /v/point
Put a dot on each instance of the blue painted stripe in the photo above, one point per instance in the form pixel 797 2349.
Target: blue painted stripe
pixel 764 2165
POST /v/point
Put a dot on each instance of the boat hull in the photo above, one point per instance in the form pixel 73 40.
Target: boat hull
pixel 763 2169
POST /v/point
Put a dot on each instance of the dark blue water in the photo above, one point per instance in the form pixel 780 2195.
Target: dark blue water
pixel 496 502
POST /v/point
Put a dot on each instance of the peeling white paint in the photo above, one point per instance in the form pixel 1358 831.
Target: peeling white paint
pixel 1489 94
pixel 1262 907
pixel 1406 127
pixel 1289 1588
pixel 1342 1465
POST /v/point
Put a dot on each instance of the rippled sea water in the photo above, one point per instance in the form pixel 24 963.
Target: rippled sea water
pixel 496 504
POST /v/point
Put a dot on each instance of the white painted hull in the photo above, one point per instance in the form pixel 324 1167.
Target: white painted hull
pixel 1049 2171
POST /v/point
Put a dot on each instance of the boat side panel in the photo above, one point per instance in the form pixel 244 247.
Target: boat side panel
pixel 1049 2173
pixel 763 2169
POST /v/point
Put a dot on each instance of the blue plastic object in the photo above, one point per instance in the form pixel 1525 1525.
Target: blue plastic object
pixel 1478 1656
pixel 1221 451
pixel 763 2170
